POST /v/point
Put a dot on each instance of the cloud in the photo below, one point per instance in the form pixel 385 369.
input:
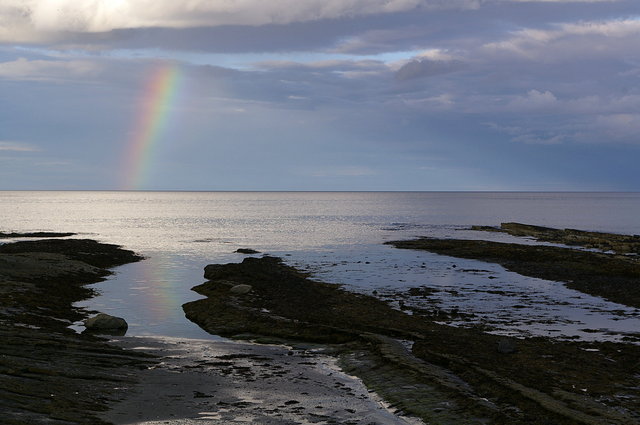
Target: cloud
pixel 557 1
pixel 420 68
pixel 391 78
pixel 7 146
pixel 443 101
pixel 382 40
pixel 534 139
pixel 568 41
pixel 39 70
pixel 534 101
pixel 332 65
pixel 622 128
pixel 31 20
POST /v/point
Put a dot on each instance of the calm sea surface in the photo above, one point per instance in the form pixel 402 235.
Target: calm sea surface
pixel 338 237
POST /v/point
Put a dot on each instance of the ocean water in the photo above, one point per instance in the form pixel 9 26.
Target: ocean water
pixel 338 237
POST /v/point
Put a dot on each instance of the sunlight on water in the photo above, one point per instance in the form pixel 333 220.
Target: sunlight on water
pixel 337 236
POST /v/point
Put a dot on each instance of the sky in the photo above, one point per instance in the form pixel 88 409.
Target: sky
pixel 434 95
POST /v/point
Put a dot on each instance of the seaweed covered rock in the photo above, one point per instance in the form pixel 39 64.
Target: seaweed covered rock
pixel 48 373
pixel 481 378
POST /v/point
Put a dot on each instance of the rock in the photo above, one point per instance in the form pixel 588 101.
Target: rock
pixel 247 251
pixel 104 321
pixel 229 283
pixel 86 250
pixel 241 289
pixel 214 271
pixel 507 346
pixel 33 266
pixel 609 276
pixel 5 235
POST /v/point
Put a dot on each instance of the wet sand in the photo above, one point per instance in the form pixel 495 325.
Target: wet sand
pixel 222 382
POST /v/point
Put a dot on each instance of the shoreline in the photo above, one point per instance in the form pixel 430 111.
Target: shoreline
pixel 49 373
pixel 229 381
pixel 613 275
pixel 482 377
pixel 423 369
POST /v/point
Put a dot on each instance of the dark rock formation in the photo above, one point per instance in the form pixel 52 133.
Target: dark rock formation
pixel 103 321
pixel 14 235
pixel 614 277
pixel 48 373
pixel 86 250
pixel 621 244
pixel 450 375
pixel 507 346
pixel 247 251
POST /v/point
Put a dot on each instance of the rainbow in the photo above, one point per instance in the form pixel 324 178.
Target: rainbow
pixel 158 96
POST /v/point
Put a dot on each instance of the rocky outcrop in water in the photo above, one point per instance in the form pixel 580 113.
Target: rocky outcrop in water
pixel 247 251
pixel 15 235
pixel 105 322
pixel 620 244
pixel 614 277
pixel 448 375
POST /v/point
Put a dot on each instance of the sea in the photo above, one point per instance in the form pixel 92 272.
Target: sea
pixel 339 238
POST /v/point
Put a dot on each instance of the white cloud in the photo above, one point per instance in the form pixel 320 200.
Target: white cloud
pixel 532 139
pixel 379 40
pixel 534 100
pixel 331 65
pixel 419 68
pixel 437 55
pixel 557 1
pixel 8 146
pixel 38 70
pixel 31 20
pixel 619 127
pixel 570 40
pixel 444 101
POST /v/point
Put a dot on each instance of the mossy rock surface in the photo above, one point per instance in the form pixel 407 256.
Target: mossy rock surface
pixel 48 373
pixel 449 375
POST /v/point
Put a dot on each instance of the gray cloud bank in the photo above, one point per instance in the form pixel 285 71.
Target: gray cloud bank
pixel 430 78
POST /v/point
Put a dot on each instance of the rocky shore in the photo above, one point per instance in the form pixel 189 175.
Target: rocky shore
pixel 51 375
pixel 441 374
pixel 613 275
pixel 48 373
pixel 305 330
pixel 620 244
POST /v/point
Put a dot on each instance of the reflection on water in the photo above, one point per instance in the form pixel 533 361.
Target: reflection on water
pixel 337 236
pixel 149 296
pixel 480 293
pixel 179 222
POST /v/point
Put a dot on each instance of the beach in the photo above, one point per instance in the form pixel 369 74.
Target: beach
pixel 50 374
pixel 302 351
